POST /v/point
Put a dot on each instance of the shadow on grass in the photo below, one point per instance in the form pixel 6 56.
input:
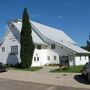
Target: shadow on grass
pixel 79 78
pixel 26 69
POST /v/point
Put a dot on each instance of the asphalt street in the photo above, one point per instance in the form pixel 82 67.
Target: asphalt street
pixel 6 84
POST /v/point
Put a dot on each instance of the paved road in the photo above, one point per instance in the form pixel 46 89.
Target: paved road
pixel 44 77
pixel 6 84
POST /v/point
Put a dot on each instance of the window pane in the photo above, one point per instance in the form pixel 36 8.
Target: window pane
pixel 48 57
pixel 14 50
pixel 3 49
pixel 53 46
pixel 37 58
pixel 54 57
pixel 61 47
pixel 34 58
pixel 38 46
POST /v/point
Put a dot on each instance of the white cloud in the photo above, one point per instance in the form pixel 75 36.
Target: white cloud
pixel 59 17
pixel 69 3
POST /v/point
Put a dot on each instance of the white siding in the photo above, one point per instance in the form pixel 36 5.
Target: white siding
pixel 42 54
pixel 81 60
pixel 10 40
pixel 13 38
pixel 72 60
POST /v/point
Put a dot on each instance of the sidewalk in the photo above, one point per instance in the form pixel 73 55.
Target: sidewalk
pixel 44 77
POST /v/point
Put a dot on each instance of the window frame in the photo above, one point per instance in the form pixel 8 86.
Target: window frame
pixel 48 58
pixel 53 46
pixel 39 47
pixel 55 57
pixel 85 57
pixel 80 57
pixel 34 58
pixel 37 58
pixel 3 49
pixel 14 50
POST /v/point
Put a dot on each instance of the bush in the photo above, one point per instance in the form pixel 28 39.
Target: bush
pixel 11 65
pixel 64 68
pixel 8 65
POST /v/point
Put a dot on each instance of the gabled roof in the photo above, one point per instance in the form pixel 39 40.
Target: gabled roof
pixel 35 37
pixel 55 35
pixel 44 34
pixel 49 32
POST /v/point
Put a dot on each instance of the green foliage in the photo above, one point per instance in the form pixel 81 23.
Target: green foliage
pixel 87 47
pixel 72 69
pixel 25 69
pixel 27 46
pixel 64 68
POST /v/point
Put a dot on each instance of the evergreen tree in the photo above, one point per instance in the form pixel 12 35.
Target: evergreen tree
pixel 27 46
pixel 87 47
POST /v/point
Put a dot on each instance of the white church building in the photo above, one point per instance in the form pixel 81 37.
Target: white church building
pixel 52 46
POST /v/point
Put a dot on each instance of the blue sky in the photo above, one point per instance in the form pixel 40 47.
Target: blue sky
pixel 71 16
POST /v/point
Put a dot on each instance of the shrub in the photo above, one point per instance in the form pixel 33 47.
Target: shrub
pixel 64 68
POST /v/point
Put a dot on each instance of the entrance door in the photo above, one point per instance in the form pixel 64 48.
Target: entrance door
pixel 36 61
pixel 64 60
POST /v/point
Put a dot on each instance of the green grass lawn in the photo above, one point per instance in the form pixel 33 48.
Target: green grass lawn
pixel 72 69
pixel 26 69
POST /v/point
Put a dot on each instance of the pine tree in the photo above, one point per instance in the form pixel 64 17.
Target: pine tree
pixel 87 47
pixel 27 46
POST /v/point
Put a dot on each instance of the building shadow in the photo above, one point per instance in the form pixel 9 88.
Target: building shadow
pixel 79 78
pixel 12 59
